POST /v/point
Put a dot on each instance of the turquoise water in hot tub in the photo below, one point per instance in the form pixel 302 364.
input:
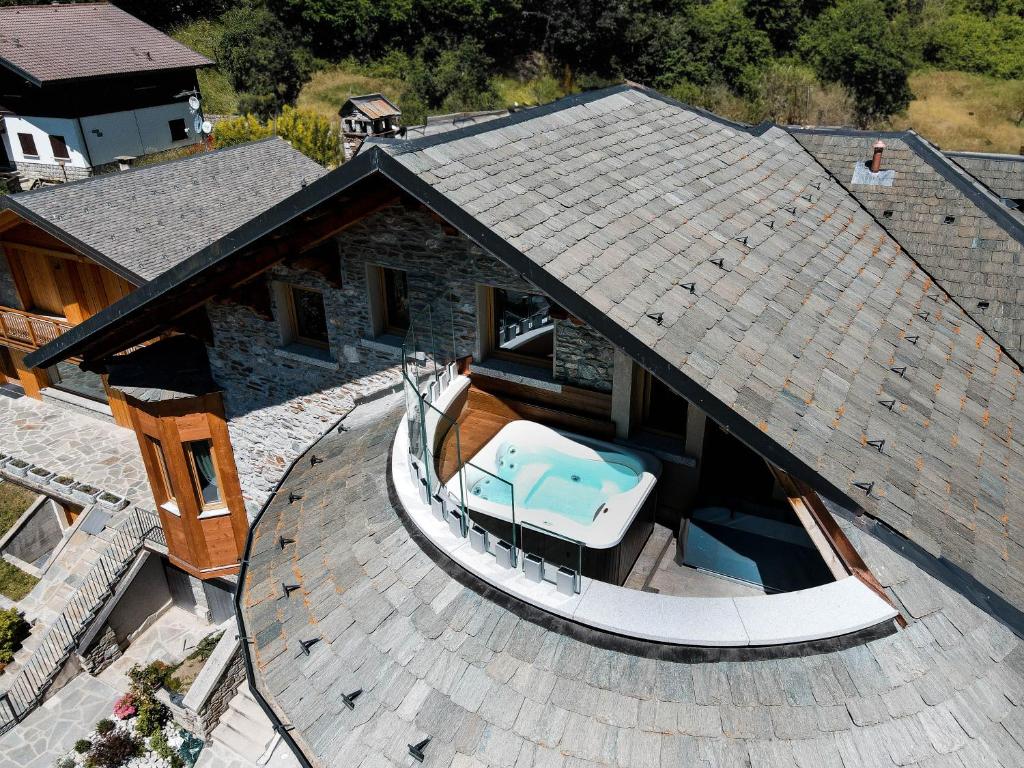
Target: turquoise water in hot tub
pixel 566 485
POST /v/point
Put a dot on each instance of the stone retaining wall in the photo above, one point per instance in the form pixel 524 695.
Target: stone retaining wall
pixel 583 357
pixel 102 652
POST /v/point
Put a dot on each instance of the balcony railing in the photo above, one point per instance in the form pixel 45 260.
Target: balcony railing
pixel 28 330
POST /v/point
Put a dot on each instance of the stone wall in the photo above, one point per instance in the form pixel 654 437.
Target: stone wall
pixel 8 290
pixel 102 652
pixel 583 357
pixel 50 172
pixel 216 705
pixel 280 398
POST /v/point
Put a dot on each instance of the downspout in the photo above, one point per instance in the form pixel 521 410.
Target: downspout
pixel 85 143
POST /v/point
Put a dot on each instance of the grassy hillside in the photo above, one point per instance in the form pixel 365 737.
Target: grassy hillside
pixel 219 98
pixel 957 110
pixel 329 88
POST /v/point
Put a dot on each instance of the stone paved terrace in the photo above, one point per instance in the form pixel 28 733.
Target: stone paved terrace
pixel 89 450
pixel 437 656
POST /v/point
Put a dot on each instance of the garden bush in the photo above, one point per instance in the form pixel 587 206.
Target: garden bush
pixel 104 726
pixel 310 133
pixel 113 750
pixel 158 743
pixel 65 762
pixel 82 746
pixel 152 716
pixel 13 630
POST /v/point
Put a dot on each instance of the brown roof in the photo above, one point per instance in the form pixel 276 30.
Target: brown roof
pixel 46 43
pixel 374 106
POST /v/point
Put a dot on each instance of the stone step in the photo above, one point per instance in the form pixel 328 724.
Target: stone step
pixel 247 706
pixel 247 743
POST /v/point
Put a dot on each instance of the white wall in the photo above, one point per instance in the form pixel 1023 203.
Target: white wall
pixel 131 133
pixel 41 128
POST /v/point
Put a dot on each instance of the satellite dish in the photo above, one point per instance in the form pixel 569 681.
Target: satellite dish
pixel 193 103
pixel 207 126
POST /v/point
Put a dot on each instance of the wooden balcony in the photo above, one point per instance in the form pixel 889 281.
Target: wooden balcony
pixel 27 330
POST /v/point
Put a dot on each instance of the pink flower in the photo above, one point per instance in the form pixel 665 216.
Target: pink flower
pixel 125 707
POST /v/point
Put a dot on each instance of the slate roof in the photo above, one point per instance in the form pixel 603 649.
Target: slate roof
pixel 47 43
pixel 1003 174
pixel 143 221
pixel 731 265
pixel 436 655
pixel 443 123
pixel 978 257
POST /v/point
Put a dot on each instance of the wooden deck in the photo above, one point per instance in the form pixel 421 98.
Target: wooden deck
pixel 481 419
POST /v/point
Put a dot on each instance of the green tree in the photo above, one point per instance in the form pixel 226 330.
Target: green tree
pixel 450 80
pixel 265 60
pixel 974 43
pixel 853 43
pixel 309 132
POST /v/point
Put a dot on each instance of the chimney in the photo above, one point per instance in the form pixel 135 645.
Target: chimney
pixel 876 158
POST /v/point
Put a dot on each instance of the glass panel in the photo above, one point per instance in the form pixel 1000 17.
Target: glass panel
pixel 310 316
pixel 68 377
pixel 164 480
pixel 523 324
pixel 203 473
pixel 396 299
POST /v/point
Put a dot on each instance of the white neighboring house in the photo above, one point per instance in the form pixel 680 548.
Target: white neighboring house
pixel 83 85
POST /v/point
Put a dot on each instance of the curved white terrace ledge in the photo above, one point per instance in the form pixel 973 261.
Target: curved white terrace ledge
pixel 832 610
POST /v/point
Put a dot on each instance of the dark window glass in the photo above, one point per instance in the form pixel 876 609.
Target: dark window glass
pixel 396 300
pixel 204 475
pixel 178 131
pixel 522 324
pixel 664 410
pixel 28 144
pixel 310 316
pixel 60 148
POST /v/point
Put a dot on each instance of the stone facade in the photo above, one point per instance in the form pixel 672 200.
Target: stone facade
pixel 102 652
pixel 583 357
pixel 216 704
pixel 281 397
pixel 50 172
pixel 8 290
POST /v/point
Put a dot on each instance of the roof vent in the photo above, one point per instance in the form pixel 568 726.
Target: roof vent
pixel 982 305
pixel 949 220
pixel 887 214
pixel 876 157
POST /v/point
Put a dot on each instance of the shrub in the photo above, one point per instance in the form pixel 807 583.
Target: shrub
pixel 307 131
pixel 82 746
pixel 126 706
pixel 113 750
pixel 13 630
pixel 65 762
pixel 152 716
pixel 104 726
pixel 158 743
pixel 150 677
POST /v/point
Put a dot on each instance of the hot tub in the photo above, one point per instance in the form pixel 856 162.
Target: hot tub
pixel 563 486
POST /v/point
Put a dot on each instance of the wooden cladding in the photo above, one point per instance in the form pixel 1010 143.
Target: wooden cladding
pixel 61 284
pixel 204 539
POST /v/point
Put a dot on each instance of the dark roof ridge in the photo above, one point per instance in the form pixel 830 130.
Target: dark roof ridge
pixel 401 146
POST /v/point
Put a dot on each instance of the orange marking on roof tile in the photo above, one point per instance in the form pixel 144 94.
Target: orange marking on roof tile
pixel 763 426
pixel 985 417
pixel 954 440
pixel 919 463
pixel 977 341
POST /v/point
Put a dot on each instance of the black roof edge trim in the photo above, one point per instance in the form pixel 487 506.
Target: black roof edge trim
pixel 71 341
pixel 11 203
pixel 6 64
pixel 402 146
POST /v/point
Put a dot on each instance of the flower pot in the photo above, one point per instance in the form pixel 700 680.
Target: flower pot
pixel 39 475
pixel 111 501
pixel 62 484
pixel 84 494
pixel 17 467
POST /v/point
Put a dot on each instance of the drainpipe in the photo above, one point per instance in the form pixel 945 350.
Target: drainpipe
pixel 85 143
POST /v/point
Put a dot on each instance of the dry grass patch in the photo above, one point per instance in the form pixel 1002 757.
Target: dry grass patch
pixel 958 110
pixel 329 88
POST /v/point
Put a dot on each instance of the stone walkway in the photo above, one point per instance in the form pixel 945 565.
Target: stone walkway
pixel 492 683
pixel 54 728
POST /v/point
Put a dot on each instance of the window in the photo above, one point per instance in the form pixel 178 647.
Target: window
pixel 60 148
pixel 68 377
pixel 395 300
pixel 308 316
pixel 199 454
pixel 521 326
pixel 662 410
pixel 178 130
pixel 162 481
pixel 28 145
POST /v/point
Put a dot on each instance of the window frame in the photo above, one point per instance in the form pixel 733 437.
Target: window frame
pixel 24 138
pixel 193 473
pixel 56 141
pixel 163 476
pixel 386 324
pixel 494 349
pixel 294 335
